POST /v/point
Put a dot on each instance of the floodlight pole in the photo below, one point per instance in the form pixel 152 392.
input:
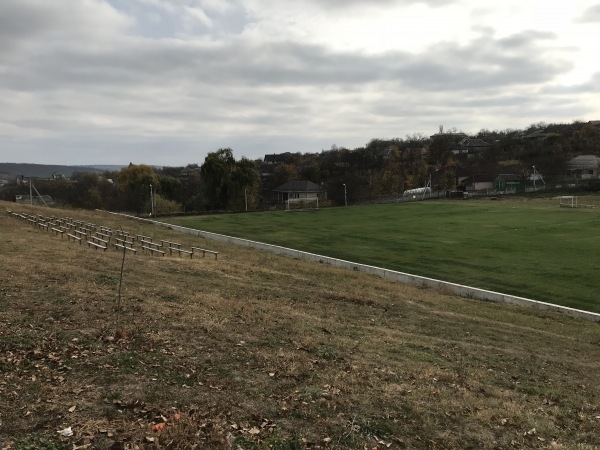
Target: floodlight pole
pixel 345 196
pixel 151 201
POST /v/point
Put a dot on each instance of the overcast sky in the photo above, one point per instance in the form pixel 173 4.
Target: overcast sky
pixel 166 81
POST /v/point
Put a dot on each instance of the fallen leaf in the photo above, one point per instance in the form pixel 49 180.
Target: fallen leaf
pixel 66 432
pixel 72 408
pixel 254 430
pixel 158 427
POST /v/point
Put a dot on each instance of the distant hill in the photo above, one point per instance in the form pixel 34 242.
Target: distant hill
pixel 11 170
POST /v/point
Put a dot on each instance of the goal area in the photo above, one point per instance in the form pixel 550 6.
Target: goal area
pixel 302 203
pixel 568 201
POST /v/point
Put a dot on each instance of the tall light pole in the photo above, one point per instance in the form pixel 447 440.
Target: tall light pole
pixel 345 196
pixel 151 201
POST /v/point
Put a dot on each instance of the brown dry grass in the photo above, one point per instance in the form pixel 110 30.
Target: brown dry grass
pixel 259 351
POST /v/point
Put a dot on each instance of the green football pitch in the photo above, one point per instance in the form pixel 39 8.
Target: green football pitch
pixel 530 248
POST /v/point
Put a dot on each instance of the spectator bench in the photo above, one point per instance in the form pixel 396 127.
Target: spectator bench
pixel 97 243
pixel 152 247
pixel 205 251
pixel 75 238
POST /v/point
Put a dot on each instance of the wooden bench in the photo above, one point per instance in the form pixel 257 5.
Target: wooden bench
pixel 205 251
pixel 102 235
pixel 96 246
pixel 124 241
pixel 153 250
pixel 80 233
pixel 124 247
pixel 150 244
pixel 57 231
pixel 99 240
pixel 180 250
pixel 171 244
pixel 75 238
pixel 140 237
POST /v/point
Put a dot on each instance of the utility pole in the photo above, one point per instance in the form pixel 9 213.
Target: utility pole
pixel 151 201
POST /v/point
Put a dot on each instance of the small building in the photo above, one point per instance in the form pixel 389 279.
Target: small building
pixel 536 135
pixel 470 146
pixel 469 180
pixel 276 159
pixel 298 189
pixel 508 181
pixel 584 166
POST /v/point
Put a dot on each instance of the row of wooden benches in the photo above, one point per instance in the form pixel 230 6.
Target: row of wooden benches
pixel 101 239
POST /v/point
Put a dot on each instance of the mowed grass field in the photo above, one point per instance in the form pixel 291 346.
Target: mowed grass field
pixel 258 351
pixel 526 247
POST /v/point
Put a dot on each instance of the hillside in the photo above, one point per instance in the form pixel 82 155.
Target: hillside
pixel 252 350
pixel 12 170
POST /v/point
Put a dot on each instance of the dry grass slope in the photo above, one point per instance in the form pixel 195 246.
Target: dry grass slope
pixel 258 351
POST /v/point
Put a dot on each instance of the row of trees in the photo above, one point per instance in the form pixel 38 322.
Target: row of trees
pixel 221 183
pixel 382 168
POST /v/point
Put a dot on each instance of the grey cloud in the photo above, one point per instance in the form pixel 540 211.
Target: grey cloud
pixel 37 24
pixel 133 93
pixel 590 86
pixel 523 39
pixel 590 15
pixel 240 82
pixel 347 4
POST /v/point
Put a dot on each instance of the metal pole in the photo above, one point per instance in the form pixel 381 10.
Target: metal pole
pixel 30 192
pixel 345 196
pixel 246 198
pixel 151 201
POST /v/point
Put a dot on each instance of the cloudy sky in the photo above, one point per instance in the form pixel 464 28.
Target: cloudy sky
pixel 166 81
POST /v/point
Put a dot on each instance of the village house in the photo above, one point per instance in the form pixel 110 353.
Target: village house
pixel 584 166
pixel 299 189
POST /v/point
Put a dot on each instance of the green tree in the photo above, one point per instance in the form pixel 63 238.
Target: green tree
pixel 134 183
pixel 245 185
pixel 227 183
pixel 216 177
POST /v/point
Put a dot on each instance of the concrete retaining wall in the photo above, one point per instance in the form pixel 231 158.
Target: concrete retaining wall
pixel 405 278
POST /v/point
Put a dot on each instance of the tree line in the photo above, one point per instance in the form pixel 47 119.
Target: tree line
pixel 381 168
